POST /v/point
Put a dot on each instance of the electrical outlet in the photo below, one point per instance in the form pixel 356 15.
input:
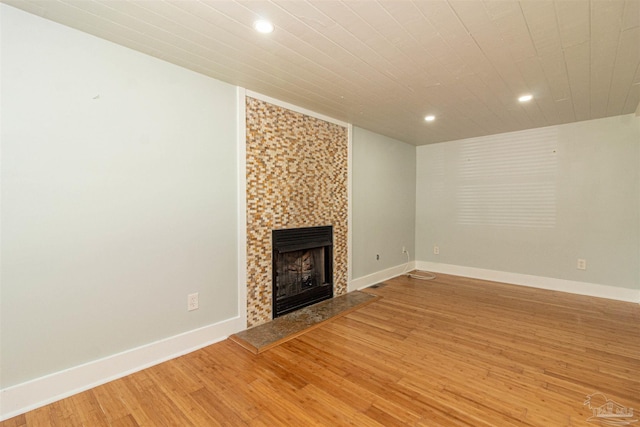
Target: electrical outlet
pixel 582 264
pixel 436 250
pixel 192 302
pixel 377 257
pixel 404 250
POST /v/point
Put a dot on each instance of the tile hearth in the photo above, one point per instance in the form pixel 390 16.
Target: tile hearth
pixel 289 326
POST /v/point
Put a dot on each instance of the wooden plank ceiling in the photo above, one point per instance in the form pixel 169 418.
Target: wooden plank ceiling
pixel 384 65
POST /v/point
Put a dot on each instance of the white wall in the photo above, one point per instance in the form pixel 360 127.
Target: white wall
pixel 119 188
pixel 583 203
pixel 384 179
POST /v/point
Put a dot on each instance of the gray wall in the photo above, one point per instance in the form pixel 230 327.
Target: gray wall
pixel 118 177
pixel 384 182
pixel 534 202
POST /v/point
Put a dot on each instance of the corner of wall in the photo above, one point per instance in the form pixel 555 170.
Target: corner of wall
pixel 242 202
pixel 380 276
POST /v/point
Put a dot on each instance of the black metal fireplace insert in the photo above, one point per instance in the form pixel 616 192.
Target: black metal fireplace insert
pixel 302 267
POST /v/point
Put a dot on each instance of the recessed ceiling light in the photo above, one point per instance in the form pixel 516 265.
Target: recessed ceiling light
pixel 430 118
pixel 525 98
pixel 263 26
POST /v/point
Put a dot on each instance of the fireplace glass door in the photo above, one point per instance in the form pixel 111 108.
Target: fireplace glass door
pixel 302 268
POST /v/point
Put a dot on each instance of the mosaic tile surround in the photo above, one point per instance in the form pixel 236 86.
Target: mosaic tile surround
pixel 296 177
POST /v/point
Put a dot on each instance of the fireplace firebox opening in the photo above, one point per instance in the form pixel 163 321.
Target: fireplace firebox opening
pixel 302 267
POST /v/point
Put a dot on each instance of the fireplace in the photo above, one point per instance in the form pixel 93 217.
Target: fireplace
pixel 302 267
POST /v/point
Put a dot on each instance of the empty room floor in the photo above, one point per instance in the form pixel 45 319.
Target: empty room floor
pixel 447 352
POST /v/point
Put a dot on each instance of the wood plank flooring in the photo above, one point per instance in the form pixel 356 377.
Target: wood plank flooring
pixel 447 352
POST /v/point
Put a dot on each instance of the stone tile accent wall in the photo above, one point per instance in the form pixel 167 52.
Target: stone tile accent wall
pixel 296 177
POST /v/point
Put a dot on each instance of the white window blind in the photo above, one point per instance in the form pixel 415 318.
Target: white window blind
pixel 508 180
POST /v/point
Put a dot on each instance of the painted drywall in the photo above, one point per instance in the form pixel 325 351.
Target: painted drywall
pixel 119 198
pixel 586 184
pixel 383 180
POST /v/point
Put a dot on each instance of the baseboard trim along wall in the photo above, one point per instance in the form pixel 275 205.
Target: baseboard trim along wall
pixel 41 391
pixel 21 398
pixel 549 283
pixel 380 276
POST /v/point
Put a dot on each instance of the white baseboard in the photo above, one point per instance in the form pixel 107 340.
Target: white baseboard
pixel 33 394
pixel 569 286
pixel 379 276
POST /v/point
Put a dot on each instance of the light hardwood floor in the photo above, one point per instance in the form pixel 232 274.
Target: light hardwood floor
pixel 447 352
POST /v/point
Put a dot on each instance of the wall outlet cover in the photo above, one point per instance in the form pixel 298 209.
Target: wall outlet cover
pixel 192 302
